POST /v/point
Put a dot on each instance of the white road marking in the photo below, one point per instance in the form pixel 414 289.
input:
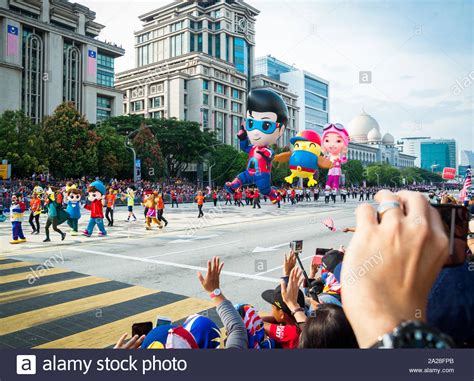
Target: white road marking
pixel 193 249
pixel 259 249
pixel 178 265
pixel 280 267
pixel 184 238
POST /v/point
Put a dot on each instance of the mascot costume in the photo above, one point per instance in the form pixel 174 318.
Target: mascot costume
pixel 267 117
pixel 305 158
pixel 335 143
pixel 96 194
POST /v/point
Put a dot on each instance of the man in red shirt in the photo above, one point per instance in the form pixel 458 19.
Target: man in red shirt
pixel 256 198
pixel 281 325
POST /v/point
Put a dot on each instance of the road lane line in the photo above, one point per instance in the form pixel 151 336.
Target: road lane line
pixel 280 267
pixel 178 265
pixel 194 249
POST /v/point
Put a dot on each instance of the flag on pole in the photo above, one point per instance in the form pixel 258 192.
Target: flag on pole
pixel 12 41
pixel 91 62
pixel 466 189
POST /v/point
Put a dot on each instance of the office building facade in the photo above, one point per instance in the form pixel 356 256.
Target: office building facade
pixel 312 91
pixel 49 54
pixel 437 154
pixel 194 61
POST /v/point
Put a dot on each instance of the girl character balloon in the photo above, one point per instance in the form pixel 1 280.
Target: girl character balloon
pixel 335 143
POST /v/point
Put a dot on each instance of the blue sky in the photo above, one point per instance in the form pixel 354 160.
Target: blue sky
pixel 417 52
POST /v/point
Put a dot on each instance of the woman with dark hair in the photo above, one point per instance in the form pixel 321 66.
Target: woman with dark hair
pixel 328 328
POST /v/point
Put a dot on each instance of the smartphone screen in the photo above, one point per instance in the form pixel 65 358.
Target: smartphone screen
pixel 161 320
pixel 455 220
pixel 142 328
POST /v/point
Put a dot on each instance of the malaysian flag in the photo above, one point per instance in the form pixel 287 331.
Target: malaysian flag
pixel 466 189
pixel 91 62
pixel 12 41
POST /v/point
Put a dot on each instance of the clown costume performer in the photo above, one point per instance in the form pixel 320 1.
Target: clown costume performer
pixel 335 143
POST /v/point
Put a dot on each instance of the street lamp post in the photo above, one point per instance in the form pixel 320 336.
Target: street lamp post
pixel 209 173
pixel 129 146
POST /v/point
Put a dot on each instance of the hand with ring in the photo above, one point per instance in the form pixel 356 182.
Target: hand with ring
pixel 391 263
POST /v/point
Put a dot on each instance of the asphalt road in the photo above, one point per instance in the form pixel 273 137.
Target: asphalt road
pixel 251 242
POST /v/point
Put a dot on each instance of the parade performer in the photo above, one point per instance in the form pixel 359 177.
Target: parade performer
pixel 16 218
pixel 96 193
pixel 335 147
pixel 160 206
pixel 110 206
pixel 200 203
pixel 267 117
pixel 305 158
pixel 56 215
pixel 73 209
pixel 130 197
pixel 150 206
pixel 35 212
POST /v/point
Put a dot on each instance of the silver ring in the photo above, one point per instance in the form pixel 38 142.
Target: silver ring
pixel 383 207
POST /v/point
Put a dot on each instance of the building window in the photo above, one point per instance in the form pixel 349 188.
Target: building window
pixel 220 103
pixel 185 100
pixel 205 118
pixel 205 99
pixel 32 81
pixel 205 84
pixel 105 78
pixel 176 45
pixel 209 44
pixel 199 42
pixel 104 108
pixel 157 114
pixel 143 56
pixel 105 62
pixel 219 126
pixel 72 70
pixel 241 55
pixel 156 102
pixel 185 114
pixel 315 101
pixel 235 94
pixel 191 42
pixel 236 107
pixel 177 26
pixel 218 46
pixel 315 86
pixel 219 88
pixel 137 105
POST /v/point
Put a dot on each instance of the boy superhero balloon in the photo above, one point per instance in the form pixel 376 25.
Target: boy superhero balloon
pixel 267 116
pixel 335 143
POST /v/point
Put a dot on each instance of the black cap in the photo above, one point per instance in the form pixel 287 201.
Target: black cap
pixel 274 297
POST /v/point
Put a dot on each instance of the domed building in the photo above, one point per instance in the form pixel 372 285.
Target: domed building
pixel 368 145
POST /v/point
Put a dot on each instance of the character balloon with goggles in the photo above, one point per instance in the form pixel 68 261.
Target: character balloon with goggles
pixel 267 117
pixel 335 147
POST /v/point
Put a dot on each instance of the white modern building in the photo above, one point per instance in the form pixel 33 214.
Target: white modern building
pixel 291 100
pixel 49 54
pixel 312 91
pixel 194 61
pixel 369 146
pixel 412 146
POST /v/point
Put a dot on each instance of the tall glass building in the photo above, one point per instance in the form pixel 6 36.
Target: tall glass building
pixel 437 154
pixel 312 91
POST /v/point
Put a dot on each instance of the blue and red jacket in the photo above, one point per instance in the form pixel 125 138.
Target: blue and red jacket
pixel 260 158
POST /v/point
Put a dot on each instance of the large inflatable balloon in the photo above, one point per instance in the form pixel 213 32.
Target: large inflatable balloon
pixel 305 158
pixel 267 117
pixel 335 147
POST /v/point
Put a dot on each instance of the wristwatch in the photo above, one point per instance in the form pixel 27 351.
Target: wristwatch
pixel 215 293
pixel 414 334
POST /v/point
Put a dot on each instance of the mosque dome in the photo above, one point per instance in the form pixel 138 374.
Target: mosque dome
pixel 360 126
pixel 388 139
pixel 374 136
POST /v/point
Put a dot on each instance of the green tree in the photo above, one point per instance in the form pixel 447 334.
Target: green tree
pixel 227 163
pixel 181 143
pixel 354 172
pixel 21 144
pixel 149 152
pixel 114 160
pixel 71 145
pixel 383 174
